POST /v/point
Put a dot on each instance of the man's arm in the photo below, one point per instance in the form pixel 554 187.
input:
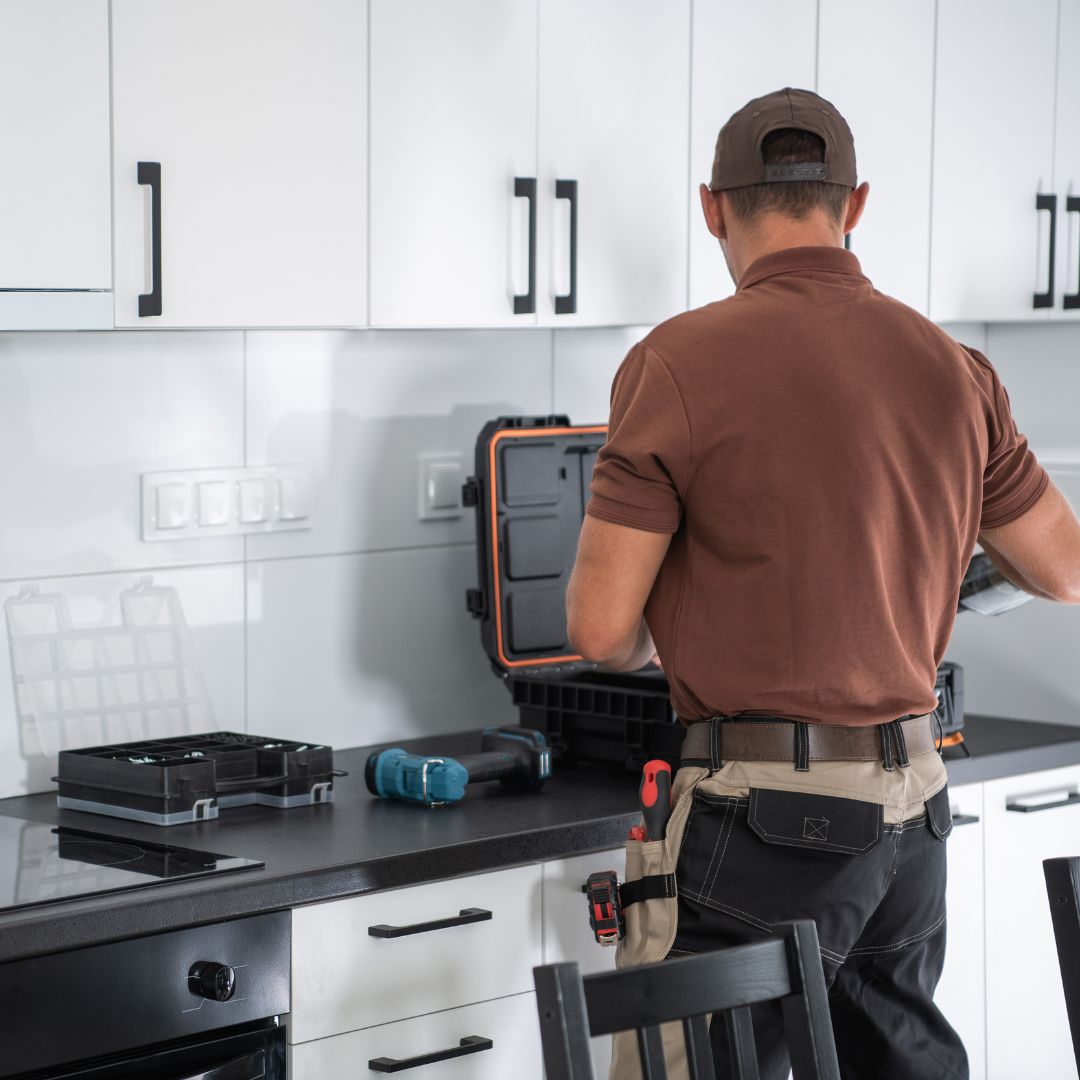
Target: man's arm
pixel 1040 551
pixel 605 601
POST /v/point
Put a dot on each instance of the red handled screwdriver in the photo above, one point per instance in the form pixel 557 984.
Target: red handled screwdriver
pixel 655 794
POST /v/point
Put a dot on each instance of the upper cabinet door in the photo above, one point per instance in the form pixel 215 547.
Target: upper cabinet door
pixel 614 94
pixel 893 132
pixel 453 128
pixel 1067 164
pixel 741 51
pixel 993 155
pixel 254 112
pixel 54 130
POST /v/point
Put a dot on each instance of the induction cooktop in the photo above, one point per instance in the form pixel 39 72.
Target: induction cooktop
pixel 43 864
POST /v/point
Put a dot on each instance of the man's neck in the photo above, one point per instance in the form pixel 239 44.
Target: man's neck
pixel 778 235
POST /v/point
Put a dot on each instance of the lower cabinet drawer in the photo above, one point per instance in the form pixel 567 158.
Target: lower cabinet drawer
pixel 344 978
pixel 510 1024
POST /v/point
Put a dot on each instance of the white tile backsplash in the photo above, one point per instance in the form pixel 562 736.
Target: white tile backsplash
pixel 357 649
pixel 360 409
pixel 81 416
pixel 213 601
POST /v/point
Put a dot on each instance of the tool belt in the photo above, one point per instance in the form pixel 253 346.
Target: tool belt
pixel 709 743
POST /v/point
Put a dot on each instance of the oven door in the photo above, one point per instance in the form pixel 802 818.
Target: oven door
pixel 249 1055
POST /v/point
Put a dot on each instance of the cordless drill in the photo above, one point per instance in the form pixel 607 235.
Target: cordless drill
pixel 518 757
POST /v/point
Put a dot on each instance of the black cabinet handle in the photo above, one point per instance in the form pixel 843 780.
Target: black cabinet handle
pixel 1072 300
pixel 1048 202
pixel 1016 808
pixel 466 915
pixel 965 819
pixel 567 189
pixel 525 188
pixel 149 172
pixel 471 1044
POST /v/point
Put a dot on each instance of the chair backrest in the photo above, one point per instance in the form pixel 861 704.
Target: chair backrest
pixel 728 981
pixel 1062 889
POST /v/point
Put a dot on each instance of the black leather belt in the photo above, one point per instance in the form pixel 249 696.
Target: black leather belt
pixel 710 743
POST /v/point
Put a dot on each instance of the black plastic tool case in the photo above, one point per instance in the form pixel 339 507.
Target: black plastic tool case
pixel 530 488
pixel 172 781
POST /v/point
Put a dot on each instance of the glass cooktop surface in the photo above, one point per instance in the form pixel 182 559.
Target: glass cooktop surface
pixel 41 863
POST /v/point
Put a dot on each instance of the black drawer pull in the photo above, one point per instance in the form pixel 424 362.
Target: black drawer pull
pixel 1072 206
pixel 471 1044
pixel 567 189
pixel 525 188
pixel 149 173
pixel 466 915
pixel 965 819
pixel 1016 808
pixel 1048 202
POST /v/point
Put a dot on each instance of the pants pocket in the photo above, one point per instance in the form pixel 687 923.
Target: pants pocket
pixel 939 814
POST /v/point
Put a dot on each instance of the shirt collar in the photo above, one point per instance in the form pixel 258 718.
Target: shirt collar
pixel 835 260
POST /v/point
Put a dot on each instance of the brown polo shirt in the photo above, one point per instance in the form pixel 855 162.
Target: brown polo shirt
pixel 825 458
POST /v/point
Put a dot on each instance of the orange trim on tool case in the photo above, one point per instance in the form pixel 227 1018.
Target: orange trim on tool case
pixel 955 739
pixel 497 438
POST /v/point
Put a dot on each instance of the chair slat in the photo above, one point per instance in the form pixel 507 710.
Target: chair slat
pixel 651 1049
pixel 741 1046
pixel 807 1020
pixel 1062 891
pixel 699 1059
pixel 564 1024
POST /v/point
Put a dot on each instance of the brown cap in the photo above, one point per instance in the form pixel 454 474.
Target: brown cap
pixel 738 161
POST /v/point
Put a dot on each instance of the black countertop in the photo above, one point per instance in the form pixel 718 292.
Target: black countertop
pixel 359 844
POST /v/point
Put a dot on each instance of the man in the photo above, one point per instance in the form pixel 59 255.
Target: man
pixel 792 487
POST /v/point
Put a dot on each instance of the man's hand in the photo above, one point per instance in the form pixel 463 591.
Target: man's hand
pixel 605 601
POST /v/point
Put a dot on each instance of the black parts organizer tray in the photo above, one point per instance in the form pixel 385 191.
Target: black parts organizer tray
pixel 530 489
pixel 173 781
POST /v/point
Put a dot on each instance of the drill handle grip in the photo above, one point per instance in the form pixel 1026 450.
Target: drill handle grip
pixel 493 765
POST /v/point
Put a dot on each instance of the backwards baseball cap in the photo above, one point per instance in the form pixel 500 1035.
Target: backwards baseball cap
pixel 739 162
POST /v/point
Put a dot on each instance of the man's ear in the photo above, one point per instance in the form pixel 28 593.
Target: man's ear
pixel 713 209
pixel 856 205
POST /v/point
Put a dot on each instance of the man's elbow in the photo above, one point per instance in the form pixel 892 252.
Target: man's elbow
pixel 596 642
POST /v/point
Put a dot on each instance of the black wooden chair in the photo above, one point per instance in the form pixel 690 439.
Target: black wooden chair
pixel 1063 892
pixel 728 981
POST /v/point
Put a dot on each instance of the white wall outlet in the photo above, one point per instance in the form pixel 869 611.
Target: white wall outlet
pixel 225 502
pixel 441 477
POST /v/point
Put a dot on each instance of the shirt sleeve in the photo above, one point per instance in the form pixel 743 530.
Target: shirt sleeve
pixel 1013 480
pixel 641 471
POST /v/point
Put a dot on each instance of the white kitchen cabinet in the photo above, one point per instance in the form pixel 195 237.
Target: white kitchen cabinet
pixel 1067 164
pixel 893 132
pixel 344 979
pixel 567 935
pixel 510 1024
pixel 54 189
pixel 614 94
pixel 255 111
pixel 960 993
pixel 501 101
pixel 740 51
pixel 993 154
pixel 1029 818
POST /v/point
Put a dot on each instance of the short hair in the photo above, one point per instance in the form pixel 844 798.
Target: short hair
pixel 794 198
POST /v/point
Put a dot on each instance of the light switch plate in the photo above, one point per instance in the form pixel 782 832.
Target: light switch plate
pixel 229 501
pixel 441 477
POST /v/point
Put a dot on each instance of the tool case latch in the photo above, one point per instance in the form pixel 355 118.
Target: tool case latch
pixel 474 601
pixel 470 492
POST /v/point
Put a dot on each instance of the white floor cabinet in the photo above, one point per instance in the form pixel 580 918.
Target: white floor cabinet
pixel 240 162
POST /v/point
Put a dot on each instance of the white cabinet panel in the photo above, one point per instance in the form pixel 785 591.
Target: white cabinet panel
pixel 1067 162
pixel 453 122
pixel 256 112
pixel 892 132
pixel 511 1023
pixel 989 245
pixel 732 64
pixel 344 979
pixel 54 130
pixel 614 93
pixel 1026 1023
pixel 960 994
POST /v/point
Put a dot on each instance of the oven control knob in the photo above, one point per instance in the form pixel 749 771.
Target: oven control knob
pixel 214 981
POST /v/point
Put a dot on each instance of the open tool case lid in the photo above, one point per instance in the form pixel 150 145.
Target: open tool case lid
pixel 530 490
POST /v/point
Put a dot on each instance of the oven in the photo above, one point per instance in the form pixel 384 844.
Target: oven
pixel 206 1003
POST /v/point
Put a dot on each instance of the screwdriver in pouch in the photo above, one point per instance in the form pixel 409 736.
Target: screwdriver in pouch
pixel 655 794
